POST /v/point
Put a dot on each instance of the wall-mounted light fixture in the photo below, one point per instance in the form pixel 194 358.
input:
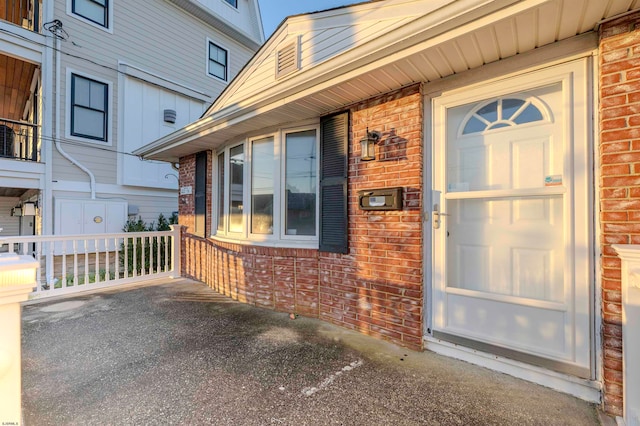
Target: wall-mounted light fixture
pixel 368 145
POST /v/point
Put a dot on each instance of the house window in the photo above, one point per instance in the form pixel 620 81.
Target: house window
pixel 96 11
pixel 89 103
pixel 270 191
pixel 300 183
pixel 200 194
pixel 221 192
pixel 236 188
pixel 218 60
pixel 262 185
pixel 233 3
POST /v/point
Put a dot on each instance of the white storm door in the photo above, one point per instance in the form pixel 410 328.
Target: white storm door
pixel 510 221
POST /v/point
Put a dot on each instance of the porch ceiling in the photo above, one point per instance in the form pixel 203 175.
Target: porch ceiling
pixel 15 86
pixel 453 47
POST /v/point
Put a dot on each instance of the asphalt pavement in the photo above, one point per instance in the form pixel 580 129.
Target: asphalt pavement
pixel 178 353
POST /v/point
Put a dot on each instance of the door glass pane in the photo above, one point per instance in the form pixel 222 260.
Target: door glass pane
pixel 300 183
pixel 510 246
pixel 221 192
pixel 262 184
pixel 236 191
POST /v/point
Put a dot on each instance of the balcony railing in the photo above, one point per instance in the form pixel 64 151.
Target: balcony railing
pixel 19 140
pixel 25 13
pixel 75 263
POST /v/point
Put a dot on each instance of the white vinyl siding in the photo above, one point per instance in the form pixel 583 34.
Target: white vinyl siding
pixel 10 224
pixel 324 40
pixel 165 50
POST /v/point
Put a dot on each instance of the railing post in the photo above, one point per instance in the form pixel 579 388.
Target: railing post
pixel 17 278
pixel 176 248
pixel 630 255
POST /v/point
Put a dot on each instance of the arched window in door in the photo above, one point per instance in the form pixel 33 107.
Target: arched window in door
pixel 503 112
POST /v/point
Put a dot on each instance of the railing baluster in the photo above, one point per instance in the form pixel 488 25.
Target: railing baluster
pixel 63 278
pixel 75 263
pixel 135 257
pixel 107 276
pixel 86 262
pixel 143 261
pixel 116 241
pixel 97 271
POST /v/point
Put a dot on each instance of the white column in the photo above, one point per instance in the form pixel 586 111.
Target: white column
pixel 176 251
pixel 630 255
pixel 17 279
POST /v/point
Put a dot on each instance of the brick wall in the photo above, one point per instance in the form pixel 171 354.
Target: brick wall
pixel 619 182
pixel 377 288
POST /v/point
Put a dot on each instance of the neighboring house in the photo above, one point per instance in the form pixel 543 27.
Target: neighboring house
pixel 85 82
pixel 510 127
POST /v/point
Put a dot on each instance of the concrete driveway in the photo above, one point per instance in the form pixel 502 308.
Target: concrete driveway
pixel 178 353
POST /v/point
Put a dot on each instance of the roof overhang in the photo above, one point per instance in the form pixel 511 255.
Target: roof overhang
pixel 460 36
pixel 216 21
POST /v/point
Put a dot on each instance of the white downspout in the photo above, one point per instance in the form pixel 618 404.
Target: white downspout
pixel 92 178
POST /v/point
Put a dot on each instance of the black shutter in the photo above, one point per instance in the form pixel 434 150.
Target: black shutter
pixel 200 194
pixel 334 164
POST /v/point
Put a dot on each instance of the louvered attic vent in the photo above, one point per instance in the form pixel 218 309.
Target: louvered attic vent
pixel 287 59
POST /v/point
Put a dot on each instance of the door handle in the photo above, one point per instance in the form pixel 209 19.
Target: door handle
pixel 436 214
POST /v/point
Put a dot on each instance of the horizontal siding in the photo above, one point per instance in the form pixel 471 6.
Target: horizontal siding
pixel 317 45
pixel 153 35
pixel 10 224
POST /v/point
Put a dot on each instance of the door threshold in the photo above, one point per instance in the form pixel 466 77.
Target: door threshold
pixel 588 390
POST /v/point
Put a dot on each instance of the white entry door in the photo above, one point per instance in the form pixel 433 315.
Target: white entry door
pixel 510 219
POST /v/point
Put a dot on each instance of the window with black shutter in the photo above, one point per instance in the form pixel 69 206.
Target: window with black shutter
pixel 200 194
pixel 334 149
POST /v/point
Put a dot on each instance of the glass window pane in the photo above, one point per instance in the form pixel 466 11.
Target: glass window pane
pixel 236 190
pixel 81 91
pixel 221 192
pixel 92 10
pixel 489 112
pixel 510 107
pixel 529 115
pixel 262 186
pixel 216 69
pixel 300 183
pixel 474 126
pixel 97 96
pixel 87 122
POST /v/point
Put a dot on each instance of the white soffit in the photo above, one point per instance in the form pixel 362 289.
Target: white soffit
pixel 519 27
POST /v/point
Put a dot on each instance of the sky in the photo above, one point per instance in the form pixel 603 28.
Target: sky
pixel 274 11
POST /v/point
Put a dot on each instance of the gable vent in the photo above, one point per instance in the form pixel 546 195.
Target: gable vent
pixel 287 59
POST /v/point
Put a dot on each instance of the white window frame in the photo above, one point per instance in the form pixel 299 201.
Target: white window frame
pixel 278 238
pixel 108 28
pixel 109 130
pixel 208 60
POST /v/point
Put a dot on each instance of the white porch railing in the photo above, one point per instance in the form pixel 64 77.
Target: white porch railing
pixel 74 263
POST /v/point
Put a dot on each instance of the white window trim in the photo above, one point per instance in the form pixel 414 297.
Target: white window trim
pixel 279 237
pixel 67 122
pixel 108 29
pixel 207 59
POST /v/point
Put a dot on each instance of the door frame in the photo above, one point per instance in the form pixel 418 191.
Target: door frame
pixel 464 89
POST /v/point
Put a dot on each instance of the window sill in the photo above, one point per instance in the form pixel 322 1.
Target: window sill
pixel 292 244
